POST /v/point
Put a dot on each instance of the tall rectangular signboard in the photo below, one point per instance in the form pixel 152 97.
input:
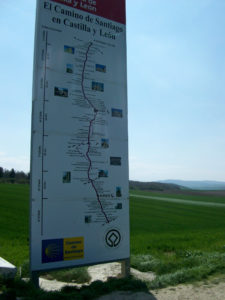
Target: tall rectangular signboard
pixel 79 153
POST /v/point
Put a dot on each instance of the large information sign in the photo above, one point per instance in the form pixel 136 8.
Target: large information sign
pixel 79 152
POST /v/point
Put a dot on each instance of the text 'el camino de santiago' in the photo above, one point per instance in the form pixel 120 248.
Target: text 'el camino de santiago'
pixel 70 18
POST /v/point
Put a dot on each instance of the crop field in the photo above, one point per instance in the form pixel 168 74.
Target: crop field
pixel 14 223
pixel 180 242
pixel 165 236
pixel 191 195
pixel 158 226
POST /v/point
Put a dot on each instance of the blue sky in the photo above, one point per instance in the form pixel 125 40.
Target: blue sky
pixel 176 87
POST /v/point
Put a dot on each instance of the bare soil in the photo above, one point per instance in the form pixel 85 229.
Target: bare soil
pixel 213 289
pixel 201 291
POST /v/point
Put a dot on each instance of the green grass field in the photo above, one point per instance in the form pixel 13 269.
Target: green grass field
pixel 158 226
pixel 14 222
pixel 165 237
pixel 187 195
pixel 179 242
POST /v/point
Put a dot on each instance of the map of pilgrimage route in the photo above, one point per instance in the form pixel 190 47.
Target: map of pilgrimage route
pixel 90 129
pixel 79 197
pixel 90 143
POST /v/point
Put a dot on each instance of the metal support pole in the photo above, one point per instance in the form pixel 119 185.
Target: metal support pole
pixel 35 278
pixel 125 268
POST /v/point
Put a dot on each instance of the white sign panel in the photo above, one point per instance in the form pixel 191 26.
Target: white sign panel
pixel 79 152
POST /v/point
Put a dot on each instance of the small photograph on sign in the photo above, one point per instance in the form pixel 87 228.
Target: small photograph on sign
pixel 115 161
pixel 119 206
pixel 97 86
pixel 103 173
pixel 69 49
pixel 118 191
pixel 118 113
pixel 69 68
pixel 61 92
pixel 52 250
pixel 105 143
pixel 100 68
pixel 87 219
pixel 66 177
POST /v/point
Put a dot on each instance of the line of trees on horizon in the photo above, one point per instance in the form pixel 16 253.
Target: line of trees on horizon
pixel 13 176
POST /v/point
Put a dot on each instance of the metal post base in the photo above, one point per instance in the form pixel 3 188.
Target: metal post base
pixel 35 279
pixel 125 268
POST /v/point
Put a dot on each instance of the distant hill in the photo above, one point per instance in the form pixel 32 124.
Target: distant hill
pixel 197 185
pixel 154 186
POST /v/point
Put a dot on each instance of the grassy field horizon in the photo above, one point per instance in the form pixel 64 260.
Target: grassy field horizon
pixel 192 195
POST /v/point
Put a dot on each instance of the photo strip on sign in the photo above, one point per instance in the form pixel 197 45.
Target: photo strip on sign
pixel 79 152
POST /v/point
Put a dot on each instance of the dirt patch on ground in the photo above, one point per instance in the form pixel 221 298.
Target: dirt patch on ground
pixel 199 291
pixel 181 292
pixel 98 272
pixel 211 290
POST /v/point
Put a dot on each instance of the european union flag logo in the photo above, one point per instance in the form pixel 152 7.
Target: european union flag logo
pixel 52 250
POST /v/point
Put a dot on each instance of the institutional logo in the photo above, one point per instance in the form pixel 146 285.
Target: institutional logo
pixel 113 238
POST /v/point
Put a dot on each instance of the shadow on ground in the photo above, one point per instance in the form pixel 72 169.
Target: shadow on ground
pixel 125 288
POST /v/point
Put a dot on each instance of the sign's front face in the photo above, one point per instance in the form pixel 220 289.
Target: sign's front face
pixel 79 157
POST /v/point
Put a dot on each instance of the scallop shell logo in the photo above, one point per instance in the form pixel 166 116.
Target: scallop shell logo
pixel 52 251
